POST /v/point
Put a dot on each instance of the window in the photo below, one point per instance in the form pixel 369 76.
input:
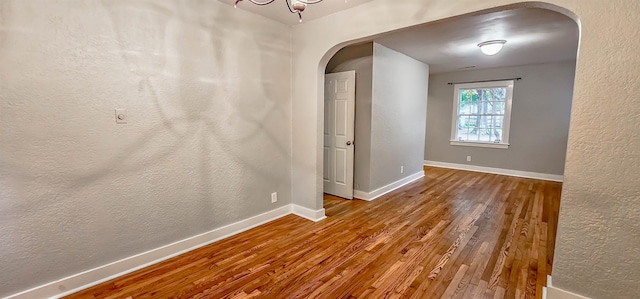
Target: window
pixel 481 114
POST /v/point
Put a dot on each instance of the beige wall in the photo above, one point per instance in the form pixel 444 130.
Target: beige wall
pixel 207 90
pixel 539 119
pixel 597 252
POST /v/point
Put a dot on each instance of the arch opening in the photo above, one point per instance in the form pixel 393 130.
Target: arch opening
pixel 329 54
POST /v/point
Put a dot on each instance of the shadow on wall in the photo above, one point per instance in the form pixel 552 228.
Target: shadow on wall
pixel 204 120
pixel 200 82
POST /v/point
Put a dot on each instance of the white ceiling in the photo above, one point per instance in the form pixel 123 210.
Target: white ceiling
pixel 278 10
pixel 533 36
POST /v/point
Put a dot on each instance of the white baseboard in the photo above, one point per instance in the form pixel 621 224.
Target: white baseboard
pixel 369 196
pixel 509 172
pixel 308 213
pixel 551 292
pixel 95 276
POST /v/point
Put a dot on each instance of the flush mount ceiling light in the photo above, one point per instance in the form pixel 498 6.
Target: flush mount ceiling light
pixel 295 6
pixel 492 47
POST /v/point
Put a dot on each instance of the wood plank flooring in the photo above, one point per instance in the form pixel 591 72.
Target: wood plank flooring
pixel 452 234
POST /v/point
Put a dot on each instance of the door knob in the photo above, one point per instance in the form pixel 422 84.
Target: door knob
pixel 348 143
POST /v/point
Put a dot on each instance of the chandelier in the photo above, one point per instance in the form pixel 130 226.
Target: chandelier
pixel 295 6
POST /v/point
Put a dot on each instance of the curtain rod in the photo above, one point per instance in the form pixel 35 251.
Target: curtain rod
pixel 505 79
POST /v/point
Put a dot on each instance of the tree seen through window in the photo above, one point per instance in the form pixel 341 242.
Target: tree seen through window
pixel 481 114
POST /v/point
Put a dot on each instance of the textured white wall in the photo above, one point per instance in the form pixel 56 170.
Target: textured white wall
pixel 598 253
pixel 207 90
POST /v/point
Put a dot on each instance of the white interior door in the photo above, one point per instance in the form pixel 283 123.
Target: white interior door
pixel 339 125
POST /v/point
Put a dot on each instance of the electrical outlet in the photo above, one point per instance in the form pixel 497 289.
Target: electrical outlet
pixel 274 197
pixel 401 169
pixel 468 158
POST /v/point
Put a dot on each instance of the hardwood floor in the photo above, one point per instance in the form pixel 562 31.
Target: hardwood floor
pixel 452 234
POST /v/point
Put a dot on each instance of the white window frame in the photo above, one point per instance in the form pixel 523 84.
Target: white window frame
pixel 504 143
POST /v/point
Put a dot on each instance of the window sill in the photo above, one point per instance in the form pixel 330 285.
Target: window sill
pixel 481 144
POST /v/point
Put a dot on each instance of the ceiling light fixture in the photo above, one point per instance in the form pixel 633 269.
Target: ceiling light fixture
pixel 295 6
pixel 492 47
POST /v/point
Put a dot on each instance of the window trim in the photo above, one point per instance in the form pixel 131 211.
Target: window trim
pixel 506 125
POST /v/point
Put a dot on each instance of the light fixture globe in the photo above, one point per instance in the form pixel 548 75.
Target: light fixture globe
pixel 492 47
pixel 298 6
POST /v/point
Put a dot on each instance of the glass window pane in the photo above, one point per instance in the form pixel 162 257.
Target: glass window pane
pixel 467 127
pixel 499 121
pixel 481 114
pixel 462 129
pixel 486 135
pixel 498 133
pixel 500 107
